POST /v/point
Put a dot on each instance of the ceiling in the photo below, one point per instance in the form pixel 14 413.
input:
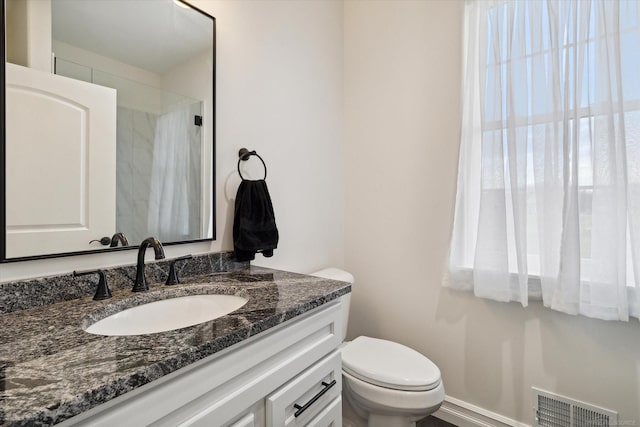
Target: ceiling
pixel 155 35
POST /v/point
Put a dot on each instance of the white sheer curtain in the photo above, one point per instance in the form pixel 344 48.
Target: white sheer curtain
pixel 548 195
pixel 169 198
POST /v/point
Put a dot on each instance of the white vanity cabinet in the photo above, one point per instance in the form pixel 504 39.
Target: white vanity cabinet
pixel 264 381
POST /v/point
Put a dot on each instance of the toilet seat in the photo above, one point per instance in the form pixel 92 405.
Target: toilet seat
pixel 389 364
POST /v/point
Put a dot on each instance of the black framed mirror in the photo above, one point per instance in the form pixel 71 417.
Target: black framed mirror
pixel 108 126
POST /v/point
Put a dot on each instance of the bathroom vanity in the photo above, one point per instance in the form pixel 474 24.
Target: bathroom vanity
pixel 273 362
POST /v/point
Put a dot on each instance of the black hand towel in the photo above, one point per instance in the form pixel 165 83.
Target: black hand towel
pixel 254 224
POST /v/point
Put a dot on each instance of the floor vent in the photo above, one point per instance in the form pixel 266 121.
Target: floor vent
pixel 552 410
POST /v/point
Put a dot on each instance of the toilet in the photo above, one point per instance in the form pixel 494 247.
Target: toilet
pixel 385 384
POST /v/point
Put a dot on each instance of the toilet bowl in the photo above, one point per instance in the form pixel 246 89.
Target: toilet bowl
pixel 385 384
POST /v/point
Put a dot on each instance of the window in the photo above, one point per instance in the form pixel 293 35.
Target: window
pixel 549 176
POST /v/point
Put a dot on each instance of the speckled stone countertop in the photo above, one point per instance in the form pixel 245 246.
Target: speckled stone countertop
pixel 52 370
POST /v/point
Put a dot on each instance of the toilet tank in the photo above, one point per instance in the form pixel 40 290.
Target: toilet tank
pixel 343 276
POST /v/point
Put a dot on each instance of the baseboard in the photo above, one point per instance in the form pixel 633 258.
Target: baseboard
pixel 463 414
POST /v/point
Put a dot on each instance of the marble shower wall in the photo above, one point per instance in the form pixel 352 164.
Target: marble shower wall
pixel 134 160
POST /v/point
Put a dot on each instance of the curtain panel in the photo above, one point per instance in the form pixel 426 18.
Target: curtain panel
pixel 170 177
pixel 548 198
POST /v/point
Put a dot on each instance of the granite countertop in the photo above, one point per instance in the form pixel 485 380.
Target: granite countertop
pixel 52 370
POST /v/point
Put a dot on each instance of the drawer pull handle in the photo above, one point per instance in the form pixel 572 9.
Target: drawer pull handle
pixel 301 409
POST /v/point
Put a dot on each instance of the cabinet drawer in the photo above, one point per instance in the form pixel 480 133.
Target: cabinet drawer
pixel 331 416
pixel 300 400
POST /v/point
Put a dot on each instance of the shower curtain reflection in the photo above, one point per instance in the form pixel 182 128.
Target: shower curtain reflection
pixel 173 203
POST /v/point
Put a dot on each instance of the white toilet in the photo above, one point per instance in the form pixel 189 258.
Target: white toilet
pixel 385 384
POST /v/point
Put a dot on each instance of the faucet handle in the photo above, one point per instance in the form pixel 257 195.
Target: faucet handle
pixel 172 278
pixel 102 292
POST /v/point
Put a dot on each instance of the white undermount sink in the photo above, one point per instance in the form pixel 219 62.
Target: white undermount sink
pixel 167 315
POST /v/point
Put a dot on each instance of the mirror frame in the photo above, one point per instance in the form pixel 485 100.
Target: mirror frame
pixel 3 158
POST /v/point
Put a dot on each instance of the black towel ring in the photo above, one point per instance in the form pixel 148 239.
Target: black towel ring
pixel 244 155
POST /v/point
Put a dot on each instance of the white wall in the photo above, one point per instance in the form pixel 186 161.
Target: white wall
pixel 402 118
pixel 279 91
pixel 105 64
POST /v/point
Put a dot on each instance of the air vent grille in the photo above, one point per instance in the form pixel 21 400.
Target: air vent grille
pixel 553 413
pixel 552 410
pixel 588 417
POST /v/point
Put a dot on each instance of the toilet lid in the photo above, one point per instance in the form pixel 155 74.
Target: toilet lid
pixel 389 364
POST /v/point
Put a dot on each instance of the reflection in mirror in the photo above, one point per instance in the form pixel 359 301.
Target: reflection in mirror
pixel 109 124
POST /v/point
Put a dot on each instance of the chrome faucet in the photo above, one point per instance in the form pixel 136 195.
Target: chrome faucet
pixel 140 284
